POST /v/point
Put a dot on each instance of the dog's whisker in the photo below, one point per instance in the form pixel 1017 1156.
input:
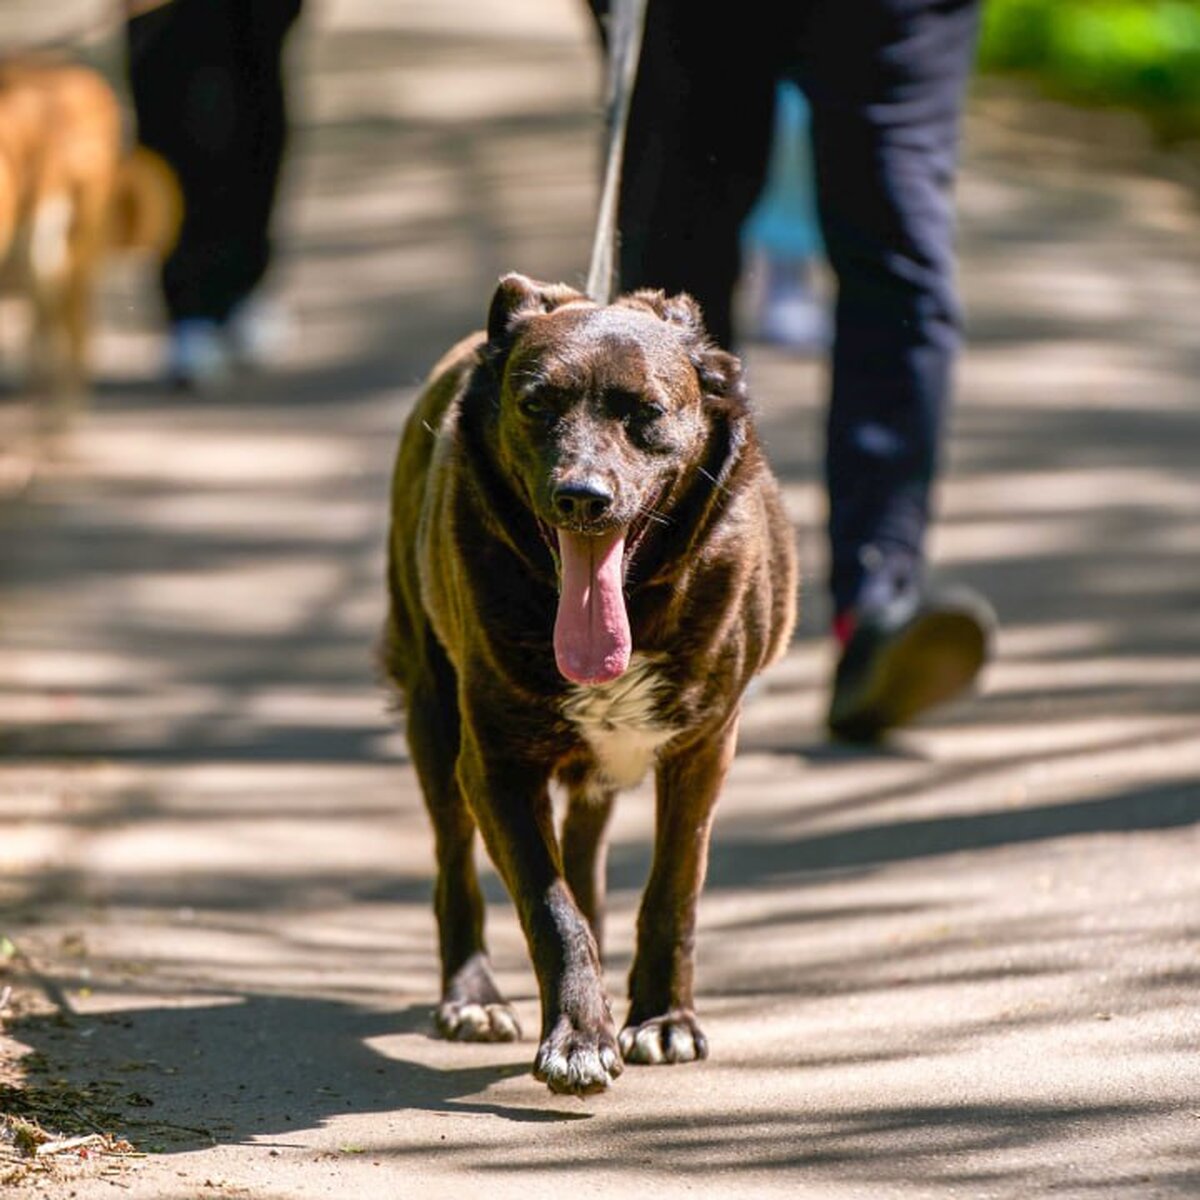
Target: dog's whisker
pixel 712 479
pixel 653 515
pixel 530 379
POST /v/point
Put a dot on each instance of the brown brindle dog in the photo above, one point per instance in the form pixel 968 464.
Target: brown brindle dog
pixel 588 562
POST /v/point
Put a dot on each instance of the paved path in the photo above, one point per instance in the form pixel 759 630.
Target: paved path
pixel 966 966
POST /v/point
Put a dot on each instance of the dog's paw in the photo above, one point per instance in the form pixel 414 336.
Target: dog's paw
pixel 459 1021
pixel 672 1038
pixel 577 1062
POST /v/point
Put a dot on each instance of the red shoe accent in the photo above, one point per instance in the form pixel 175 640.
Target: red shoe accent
pixel 843 626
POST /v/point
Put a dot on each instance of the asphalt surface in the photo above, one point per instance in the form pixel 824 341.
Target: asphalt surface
pixel 963 965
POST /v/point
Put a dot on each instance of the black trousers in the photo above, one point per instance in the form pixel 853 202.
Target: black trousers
pixel 885 81
pixel 207 85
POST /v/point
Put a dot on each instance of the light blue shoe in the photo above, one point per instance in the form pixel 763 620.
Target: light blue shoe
pixel 259 332
pixel 198 358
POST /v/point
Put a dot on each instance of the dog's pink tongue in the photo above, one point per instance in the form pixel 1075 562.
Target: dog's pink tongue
pixel 592 641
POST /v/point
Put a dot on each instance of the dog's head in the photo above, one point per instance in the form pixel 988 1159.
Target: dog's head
pixel 603 413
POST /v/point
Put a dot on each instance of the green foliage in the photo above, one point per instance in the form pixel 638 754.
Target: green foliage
pixel 1140 53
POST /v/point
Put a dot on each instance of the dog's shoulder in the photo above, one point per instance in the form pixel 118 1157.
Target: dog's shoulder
pixel 424 482
pixel 457 363
pixel 758 536
pixel 446 383
pixel 435 412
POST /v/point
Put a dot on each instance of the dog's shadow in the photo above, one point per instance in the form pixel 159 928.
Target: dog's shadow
pixel 263 1068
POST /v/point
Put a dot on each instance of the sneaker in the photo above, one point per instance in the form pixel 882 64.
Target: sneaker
pixel 259 332
pixel 791 314
pixel 796 319
pixel 197 357
pixel 913 654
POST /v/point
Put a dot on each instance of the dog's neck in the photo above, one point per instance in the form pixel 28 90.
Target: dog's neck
pixel 696 501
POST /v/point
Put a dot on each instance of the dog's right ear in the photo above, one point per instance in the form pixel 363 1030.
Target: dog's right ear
pixel 518 298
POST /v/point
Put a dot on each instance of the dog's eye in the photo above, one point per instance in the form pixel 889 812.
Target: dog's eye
pixel 643 417
pixel 535 406
pixel 635 409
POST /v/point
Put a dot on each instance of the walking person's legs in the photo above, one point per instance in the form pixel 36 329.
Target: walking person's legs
pixel 885 80
pixel 259 29
pixel 207 87
pixel 886 84
pixel 697 148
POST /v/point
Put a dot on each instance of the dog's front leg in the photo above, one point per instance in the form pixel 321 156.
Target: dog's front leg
pixel 578 1052
pixel 583 852
pixel 662 1026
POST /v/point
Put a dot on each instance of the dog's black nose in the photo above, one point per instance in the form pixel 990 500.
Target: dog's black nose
pixel 587 501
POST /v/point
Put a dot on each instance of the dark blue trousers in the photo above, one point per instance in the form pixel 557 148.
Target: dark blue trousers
pixel 885 81
pixel 207 84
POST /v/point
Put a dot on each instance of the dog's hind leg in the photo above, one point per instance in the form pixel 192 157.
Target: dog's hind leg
pixel 472 1008
pixel 50 279
pixel 584 851
pixel 76 319
pixel 48 377
pixel 662 1027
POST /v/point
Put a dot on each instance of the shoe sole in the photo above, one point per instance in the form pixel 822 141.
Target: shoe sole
pixel 936 659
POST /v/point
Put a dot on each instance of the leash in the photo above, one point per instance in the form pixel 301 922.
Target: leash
pixel 624 46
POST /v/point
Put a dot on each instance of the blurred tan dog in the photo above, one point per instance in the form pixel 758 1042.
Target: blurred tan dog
pixel 69 195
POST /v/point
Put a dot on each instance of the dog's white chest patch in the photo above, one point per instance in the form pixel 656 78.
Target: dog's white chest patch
pixel 621 721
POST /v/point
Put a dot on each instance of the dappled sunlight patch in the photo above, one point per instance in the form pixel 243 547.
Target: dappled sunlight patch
pixel 266 597
pixel 48 667
pixel 353 218
pixel 1048 677
pixel 1069 489
pixel 152 706
pixel 258 848
pixel 208 457
pixel 314 707
pixel 1008 538
pixel 282 517
pixel 803 501
pixel 451 93
pixel 1073 374
pixel 1054 639
pixel 1031 734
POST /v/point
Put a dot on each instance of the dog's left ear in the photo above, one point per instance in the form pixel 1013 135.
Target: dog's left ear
pixel 680 309
pixel 719 372
pixel 518 298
